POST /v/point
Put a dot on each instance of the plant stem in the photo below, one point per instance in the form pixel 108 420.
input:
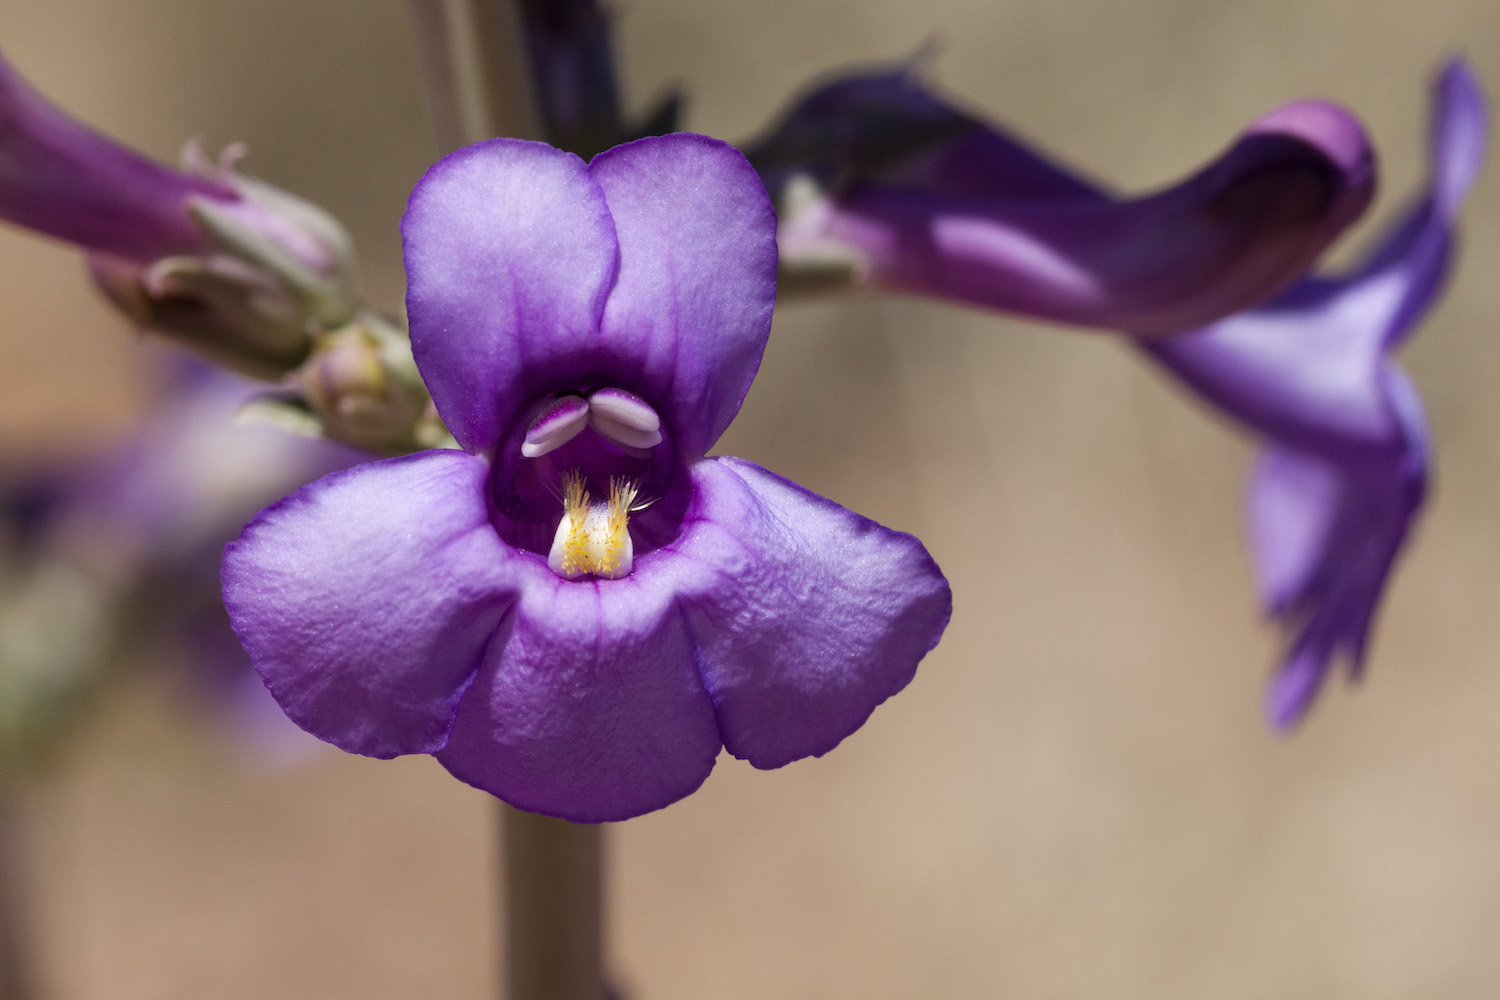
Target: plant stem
pixel 554 924
pixel 15 961
pixel 478 71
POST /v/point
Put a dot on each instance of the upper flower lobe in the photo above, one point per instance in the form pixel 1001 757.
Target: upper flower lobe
pixel 1334 494
pixel 579 327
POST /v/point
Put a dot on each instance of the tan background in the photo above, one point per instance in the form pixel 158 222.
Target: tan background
pixel 1076 797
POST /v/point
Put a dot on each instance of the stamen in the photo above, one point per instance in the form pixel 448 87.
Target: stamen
pixel 625 434
pixel 626 408
pixel 594 538
pixel 561 421
pixel 624 417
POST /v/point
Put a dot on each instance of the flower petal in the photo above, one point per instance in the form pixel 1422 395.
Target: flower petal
pixel 509 254
pixel 806 615
pixel 1460 135
pixel 1291 504
pixel 1324 563
pixel 589 705
pixel 366 599
pixel 61 178
pixel 692 306
pixel 1336 493
pixel 969 214
pixel 1308 369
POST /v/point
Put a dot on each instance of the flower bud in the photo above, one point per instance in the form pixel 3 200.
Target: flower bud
pixel 364 389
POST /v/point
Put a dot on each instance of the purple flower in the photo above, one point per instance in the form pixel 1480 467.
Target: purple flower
pixel 577 612
pixel 1334 494
pixel 882 184
pixel 236 267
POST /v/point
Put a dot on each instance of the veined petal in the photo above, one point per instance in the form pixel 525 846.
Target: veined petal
pixel 61 178
pixel 367 598
pixel 806 616
pixel 691 310
pixel 509 253
pixel 589 705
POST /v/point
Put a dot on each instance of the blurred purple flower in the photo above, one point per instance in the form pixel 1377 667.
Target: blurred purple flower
pixel 135 532
pixel 587 332
pixel 1334 494
pixel 880 183
pixel 234 266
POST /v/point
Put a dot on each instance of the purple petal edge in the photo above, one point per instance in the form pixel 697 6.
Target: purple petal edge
pixel 589 706
pixel 366 599
pixel 1335 495
pixel 806 616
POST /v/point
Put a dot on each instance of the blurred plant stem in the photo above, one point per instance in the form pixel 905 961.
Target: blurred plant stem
pixel 554 925
pixel 16 982
pixel 477 70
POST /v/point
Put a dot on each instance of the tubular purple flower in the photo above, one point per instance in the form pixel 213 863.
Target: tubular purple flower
pixel 576 613
pixel 63 179
pixel 1335 492
pixel 239 269
pixel 907 194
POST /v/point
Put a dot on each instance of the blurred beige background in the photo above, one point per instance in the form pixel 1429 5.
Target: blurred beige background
pixel 1076 797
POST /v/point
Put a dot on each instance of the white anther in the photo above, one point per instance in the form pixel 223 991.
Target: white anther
pixel 555 426
pixel 631 437
pixel 626 408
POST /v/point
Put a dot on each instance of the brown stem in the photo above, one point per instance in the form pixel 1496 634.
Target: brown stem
pixel 554 925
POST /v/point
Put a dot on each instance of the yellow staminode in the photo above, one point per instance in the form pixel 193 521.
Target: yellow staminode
pixel 616 536
pixel 593 538
pixel 574 527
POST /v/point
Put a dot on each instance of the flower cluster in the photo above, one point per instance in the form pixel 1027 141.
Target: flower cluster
pixel 574 607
